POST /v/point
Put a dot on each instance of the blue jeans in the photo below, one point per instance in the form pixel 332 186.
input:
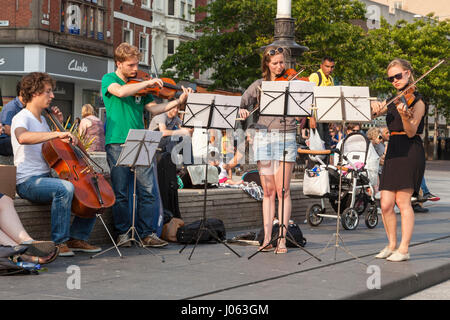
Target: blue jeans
pixel 424 187
pixel 145 208
pixel 58 192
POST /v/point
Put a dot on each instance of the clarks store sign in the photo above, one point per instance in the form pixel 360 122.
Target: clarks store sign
pixel 75 65
pixel 11 59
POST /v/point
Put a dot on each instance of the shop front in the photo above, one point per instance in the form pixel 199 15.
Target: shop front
pixel 78 76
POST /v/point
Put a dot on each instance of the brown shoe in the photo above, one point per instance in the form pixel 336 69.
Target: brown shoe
pixel 83 246
pixel 152 240
pixel 64 250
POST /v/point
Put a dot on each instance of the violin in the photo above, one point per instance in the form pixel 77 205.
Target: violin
pixel 93 193
pixel 291 74
pixel 168 90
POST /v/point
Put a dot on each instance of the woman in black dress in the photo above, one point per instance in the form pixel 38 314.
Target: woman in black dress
pixel 404 164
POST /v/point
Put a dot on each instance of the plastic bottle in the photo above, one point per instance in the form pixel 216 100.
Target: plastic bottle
pixel 28 265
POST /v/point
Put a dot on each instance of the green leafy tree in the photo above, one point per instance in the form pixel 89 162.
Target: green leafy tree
pixel 235 30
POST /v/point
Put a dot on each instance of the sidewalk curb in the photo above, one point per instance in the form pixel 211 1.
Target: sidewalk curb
pixel 406 286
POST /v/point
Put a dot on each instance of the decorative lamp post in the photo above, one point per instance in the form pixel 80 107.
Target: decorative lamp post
pixel 285 31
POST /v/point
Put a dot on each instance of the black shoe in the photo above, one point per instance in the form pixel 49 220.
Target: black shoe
pixel 419 209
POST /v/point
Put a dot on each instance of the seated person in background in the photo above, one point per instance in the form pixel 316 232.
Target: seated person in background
pixel 92 127
pixel 8 112
pixel 12 233
pixel 170 125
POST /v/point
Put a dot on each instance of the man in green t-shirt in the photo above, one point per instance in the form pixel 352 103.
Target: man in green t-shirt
pixel 125 111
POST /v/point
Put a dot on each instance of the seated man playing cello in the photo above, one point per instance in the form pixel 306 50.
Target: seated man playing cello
pixel 29 130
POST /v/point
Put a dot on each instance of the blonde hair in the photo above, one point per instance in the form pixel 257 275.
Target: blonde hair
pixel 373 133
pixel 266 59
pixel 126 51
pixel 404 64
pixel 87 110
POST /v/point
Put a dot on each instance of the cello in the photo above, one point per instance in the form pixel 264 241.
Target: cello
pixel 92 193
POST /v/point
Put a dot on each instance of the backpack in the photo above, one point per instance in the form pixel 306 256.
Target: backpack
pixel 188 233
pixel 293 230
pixel 252 175
pixel 320 78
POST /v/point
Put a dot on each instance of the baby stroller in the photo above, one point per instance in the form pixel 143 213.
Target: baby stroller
pixel 359 169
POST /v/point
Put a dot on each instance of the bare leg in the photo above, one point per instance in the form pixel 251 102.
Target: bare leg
pixel 268 204
pixel 389 218
pixel 10 223
pixel 287 196
pixel 403 200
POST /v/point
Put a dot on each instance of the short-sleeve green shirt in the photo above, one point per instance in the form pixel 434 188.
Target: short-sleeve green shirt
pixel 122 114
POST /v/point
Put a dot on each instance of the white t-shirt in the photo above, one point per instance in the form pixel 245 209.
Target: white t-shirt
pixel 28 159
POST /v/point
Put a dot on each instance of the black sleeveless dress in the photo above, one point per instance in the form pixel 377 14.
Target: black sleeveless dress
pixel 404 163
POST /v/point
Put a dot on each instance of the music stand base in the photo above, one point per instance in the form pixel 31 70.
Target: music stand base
pixel 288 237
pixel 132 239
pixel 110 236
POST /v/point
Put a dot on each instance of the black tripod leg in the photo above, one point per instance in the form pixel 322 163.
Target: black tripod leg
pixel 214 235
pixel 292 240
pixel 199 234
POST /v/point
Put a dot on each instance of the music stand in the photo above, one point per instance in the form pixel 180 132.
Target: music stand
pixel 138 151
pixel 286 99
pixel 210 111
pixel 341 104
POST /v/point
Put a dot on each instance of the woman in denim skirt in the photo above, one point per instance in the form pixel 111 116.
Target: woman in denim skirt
pixel 268 146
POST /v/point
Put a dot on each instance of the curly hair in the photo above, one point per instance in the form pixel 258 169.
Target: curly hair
pixel 34 84
pixel 266 59
pixel 126 51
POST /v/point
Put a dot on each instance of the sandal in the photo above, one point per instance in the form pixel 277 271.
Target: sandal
pixel 266 248
pixel 41 260
pixel 39 248
pixel 281 250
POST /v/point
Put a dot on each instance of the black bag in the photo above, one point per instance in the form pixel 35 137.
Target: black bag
pixel 188 233
pixel 293 230
pixel 252 175
pixel 168 183
pixel 7 267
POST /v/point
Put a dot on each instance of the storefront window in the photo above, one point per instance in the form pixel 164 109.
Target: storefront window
pixel 8 87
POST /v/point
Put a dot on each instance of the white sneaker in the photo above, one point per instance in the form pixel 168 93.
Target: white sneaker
pixel 122 240
pixel 385 253
pixel 398 257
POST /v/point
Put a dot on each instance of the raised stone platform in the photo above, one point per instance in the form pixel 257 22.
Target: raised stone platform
pixel 234 207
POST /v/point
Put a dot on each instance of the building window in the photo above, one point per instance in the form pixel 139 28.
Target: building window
pixel 127 36
pixel 171 8
pixel 189 9
pixel 143 48
pixel 145 4
pixel 398 5
pixel 85 19
pixel 182 10
pixel 170 46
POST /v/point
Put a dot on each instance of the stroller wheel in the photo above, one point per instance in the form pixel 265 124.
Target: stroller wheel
pixel 312 214
pixel 350 219
pixel 371 218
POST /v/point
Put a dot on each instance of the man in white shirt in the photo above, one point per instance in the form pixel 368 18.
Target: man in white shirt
pixel 29 130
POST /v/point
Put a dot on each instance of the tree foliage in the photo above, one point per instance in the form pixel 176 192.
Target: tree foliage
pixel 234 31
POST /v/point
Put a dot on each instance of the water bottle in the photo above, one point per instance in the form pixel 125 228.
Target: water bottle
pixel 28 265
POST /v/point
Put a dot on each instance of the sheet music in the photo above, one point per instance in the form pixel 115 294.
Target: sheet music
pixel 130 150
pixel 197 110
pixel 301 98
pixel 272 97
pixel 342 103
pixel 226 109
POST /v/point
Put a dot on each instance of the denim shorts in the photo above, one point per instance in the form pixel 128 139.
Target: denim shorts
pixel 268 145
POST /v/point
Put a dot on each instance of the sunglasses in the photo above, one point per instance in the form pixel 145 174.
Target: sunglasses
pixel 273 52
pixel 397 76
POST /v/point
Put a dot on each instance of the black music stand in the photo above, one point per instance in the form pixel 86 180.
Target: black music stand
pixel 209 111
pixel 138 151
pixel 286 99
pixel 341 104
